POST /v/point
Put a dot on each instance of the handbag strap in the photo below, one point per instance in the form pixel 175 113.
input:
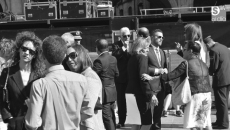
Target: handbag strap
pixel 186 62
pixel 7 77
pixel 54 91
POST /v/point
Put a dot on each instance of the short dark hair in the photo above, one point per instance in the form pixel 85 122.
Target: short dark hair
pixel 102 45
pixel 54 49
pixel 195 47
pixel 156 30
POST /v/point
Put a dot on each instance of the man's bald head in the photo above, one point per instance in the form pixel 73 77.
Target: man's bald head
pixel 102 45
pixel 69 38
pixel 143 32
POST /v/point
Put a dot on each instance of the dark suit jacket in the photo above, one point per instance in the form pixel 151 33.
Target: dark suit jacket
pixel 17 93
pixel 138 65
pixel 122 61
pixel 106 68
pixel 156 84
pixel 220 65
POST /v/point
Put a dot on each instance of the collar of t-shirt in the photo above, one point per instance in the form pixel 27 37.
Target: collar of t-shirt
pixel 103 53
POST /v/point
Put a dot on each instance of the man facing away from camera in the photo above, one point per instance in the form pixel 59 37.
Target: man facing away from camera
pixel 106 68
pixel 59 100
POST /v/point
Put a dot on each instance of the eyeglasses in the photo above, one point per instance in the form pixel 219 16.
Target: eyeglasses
pixel 125 36
pixel 160 37
pixel 24 49
pixel 72 55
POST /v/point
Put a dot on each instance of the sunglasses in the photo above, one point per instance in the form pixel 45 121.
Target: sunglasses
pixel 24 49
pixel 125 36
pixel 160 37
pixel 72 55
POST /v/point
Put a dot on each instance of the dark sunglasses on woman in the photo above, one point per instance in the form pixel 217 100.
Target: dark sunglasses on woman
pixel 72 55
pixel 24 49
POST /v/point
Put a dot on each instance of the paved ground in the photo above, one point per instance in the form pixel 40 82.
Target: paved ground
pixel 173 122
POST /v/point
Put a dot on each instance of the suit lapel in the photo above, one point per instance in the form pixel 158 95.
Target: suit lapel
pixel 18 80
pixel 162 57
pixel 154 55
pixel 19 83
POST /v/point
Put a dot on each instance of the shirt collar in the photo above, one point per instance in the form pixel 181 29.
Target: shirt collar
pixel 55 67
pixel 154 47
pixel 86 70
pixel 103 53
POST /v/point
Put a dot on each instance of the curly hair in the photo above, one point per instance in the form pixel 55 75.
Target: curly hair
pixel 37 64
pixel 7 48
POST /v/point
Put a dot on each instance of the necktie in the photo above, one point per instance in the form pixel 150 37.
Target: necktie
pixel 158 56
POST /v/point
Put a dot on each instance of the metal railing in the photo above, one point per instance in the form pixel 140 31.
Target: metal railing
pixel 178 10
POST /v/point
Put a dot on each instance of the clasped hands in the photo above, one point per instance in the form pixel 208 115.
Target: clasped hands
pixel 148 77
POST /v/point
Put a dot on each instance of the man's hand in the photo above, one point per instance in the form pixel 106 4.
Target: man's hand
pixel 178 46
pixel 145 77
pixel 165 71
pixel 154 100
pixel 162 71
pixel 125 46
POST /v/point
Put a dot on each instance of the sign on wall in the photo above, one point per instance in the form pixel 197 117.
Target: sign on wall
pixel 218 13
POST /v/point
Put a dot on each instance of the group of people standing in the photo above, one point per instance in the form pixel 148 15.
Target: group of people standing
pixel 143 67
pixel 54 84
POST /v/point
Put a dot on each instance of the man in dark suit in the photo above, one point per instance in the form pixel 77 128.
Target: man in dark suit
pixel 106 67
pixel 120 51
pixel 157 62
pixel 220 70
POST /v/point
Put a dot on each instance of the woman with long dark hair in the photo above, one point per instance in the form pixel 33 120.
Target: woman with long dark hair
pixel 16 80
pixel 78 61
pixel 193 33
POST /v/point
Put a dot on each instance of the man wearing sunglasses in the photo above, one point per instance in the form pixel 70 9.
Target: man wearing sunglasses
pixel 157 66
pixel 120 50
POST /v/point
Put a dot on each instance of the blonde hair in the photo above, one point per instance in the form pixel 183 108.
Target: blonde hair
pixel 139 44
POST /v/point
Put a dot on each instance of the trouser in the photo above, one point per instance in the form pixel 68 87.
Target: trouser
pixel 221 102
pixel 108 116
pixel 121 102
pixel 157 111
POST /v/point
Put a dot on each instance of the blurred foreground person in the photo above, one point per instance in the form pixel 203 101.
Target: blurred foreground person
pixel 27 67
pixel 106 67
pixel 60 100
pixel 78 60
